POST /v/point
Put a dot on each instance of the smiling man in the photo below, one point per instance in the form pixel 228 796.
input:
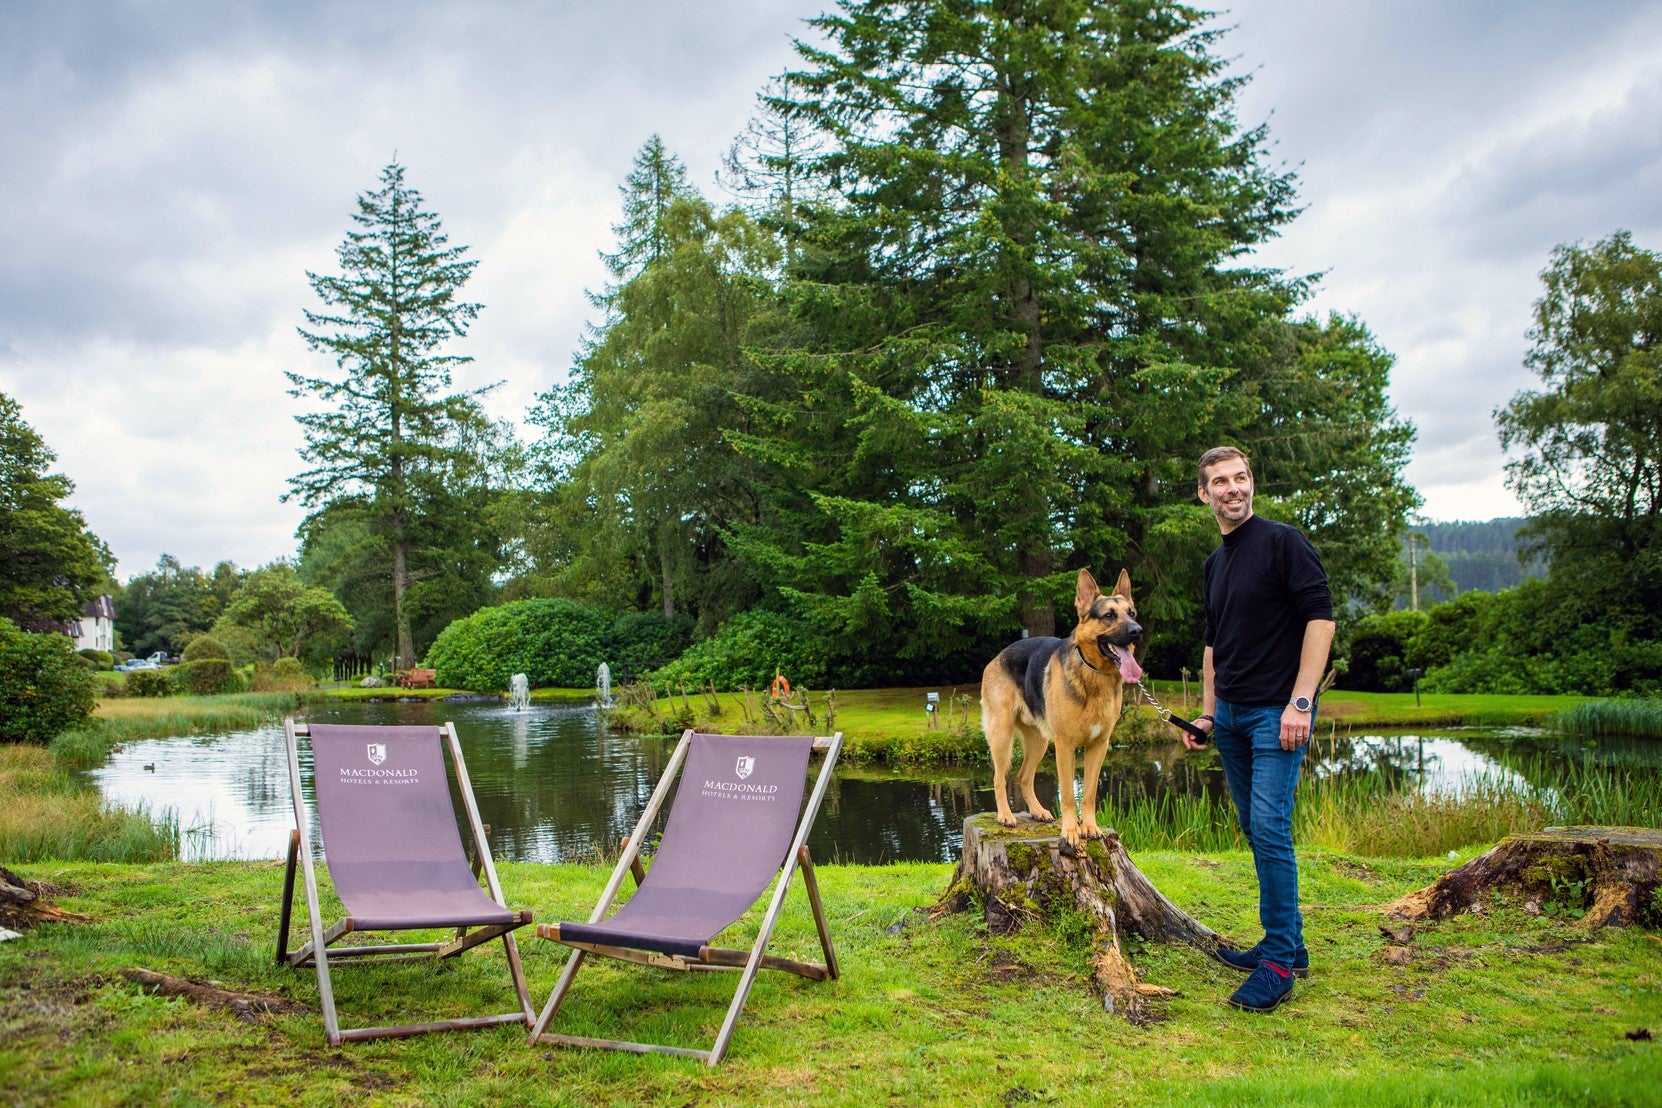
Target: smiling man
pixel 1269 624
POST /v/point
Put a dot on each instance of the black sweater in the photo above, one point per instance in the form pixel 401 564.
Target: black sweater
pixel 1264 583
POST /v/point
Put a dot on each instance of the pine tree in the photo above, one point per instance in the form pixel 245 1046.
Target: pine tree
pixel 1030 295
pixel 768 167
pixel 655 182
pixel 648 483
pixel 390 424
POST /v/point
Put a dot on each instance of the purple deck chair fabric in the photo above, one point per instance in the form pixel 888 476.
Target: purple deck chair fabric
pixel 730 826
pixel 389 830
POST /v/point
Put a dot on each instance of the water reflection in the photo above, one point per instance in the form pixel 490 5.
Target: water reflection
pixel 555 786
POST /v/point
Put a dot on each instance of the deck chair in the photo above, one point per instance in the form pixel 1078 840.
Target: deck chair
pixel 392 848
pixel 737 823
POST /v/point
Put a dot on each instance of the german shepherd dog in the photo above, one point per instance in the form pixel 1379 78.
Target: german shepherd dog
pixel 1067 691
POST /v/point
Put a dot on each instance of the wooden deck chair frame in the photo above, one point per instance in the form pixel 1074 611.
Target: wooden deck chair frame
pixel 747 962
pixel 316 951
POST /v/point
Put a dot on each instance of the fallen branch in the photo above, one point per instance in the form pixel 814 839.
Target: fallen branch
pixel 247 1006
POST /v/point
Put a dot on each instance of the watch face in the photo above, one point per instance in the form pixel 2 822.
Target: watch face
pixel 1302 703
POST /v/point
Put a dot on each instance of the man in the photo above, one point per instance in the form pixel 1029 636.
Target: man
pixel 1269 624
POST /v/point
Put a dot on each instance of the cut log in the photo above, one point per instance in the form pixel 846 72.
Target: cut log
pixel 1022 874
pixel 1612 872
pixel 24 903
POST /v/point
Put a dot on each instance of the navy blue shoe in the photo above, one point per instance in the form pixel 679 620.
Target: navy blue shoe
pixel 1268 986
pixel 1247 960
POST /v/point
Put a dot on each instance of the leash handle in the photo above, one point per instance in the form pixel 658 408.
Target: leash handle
pixel 1178 721
pixel 1168 715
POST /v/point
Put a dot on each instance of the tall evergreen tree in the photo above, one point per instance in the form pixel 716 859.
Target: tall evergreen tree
pixel 768 167
pixel 656 181
pixel 50 564
pixel 639 432
pixel 1029 290
pixel 390 420
pixel 1027 309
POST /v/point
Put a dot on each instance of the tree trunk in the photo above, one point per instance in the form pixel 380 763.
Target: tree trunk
pixel 400 584
pixel 668 581
pixel 1614 873
pixel 1024 873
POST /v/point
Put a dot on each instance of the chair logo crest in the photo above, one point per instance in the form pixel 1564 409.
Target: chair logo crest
pixel 746 766
pixel 377 753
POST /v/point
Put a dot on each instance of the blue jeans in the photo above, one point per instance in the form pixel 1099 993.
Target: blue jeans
pixel 1262 778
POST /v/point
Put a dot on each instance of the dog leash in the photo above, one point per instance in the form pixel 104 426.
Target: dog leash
pixel 1166 714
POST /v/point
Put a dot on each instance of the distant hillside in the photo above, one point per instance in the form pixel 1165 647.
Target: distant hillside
pixel 1481 556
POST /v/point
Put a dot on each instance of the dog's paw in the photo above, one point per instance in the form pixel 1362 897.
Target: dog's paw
pixel 1042 815
pixel 1092 831
pixel 1007 820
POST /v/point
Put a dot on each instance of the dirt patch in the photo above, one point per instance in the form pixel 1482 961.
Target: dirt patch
pixel 1354 869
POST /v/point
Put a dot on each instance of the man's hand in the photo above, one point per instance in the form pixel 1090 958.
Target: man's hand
pixel 1295 728
pixel 1205 724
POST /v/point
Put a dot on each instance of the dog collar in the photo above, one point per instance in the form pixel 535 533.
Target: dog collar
pixel 1081 652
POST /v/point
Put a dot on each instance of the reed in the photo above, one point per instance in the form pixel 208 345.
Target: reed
pixel 1597 718
pixel 1367 815
pixel 127 719
pixel 45 812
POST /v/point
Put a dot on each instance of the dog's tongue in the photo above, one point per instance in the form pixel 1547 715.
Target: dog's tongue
pixel 1129 669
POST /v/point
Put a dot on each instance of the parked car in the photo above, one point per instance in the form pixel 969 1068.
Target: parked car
pixel 163 658
pixel 137 663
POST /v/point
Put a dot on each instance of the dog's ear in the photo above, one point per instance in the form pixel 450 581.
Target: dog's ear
pixel 1085 593
pixel 1122 587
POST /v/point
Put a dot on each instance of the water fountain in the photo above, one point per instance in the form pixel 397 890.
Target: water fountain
pixel 519 692
pixel 603 686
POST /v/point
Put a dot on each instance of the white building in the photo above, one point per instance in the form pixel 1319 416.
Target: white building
pixel 96 628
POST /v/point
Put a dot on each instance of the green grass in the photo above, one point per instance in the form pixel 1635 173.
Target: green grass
pixel 1503 1008
pixel 890 725
pixel 45 812
pixel 1354 709
pixel 1598 718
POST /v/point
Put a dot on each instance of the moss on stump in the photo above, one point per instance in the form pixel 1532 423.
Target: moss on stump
pixel 1025 875
pixel 1614 873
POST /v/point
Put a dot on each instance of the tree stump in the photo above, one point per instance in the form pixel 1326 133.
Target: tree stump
pixel 1022 873
pixel 1612 872
pixel 23 903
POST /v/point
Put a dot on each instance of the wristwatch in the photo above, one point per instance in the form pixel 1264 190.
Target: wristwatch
pixel 1302 703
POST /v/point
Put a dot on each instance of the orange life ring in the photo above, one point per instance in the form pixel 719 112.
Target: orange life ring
pixel 781 687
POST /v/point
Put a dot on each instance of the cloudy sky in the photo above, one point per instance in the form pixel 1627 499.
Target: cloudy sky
pixel 169 170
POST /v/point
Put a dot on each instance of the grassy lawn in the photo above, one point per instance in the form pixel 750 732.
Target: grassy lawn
pixel 1503 1008
pixel 892 725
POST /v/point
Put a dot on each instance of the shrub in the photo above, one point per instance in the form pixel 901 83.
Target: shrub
pixel 642 641
pixel 553 642
pixel 283 675
pixel 44 688
pixel 150 682
pixel 1379 656
pixel 203 647
pixel 748 650
pixel 207 668
pixel 100 659
pixel 204 677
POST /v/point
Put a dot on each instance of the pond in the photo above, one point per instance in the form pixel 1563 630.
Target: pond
pixel 555 786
